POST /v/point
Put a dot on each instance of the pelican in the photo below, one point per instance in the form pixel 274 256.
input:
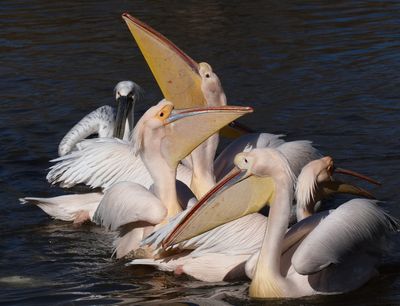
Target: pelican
pixel 328 253
pixel 105 121
pixel 161 140
pixel 220 254
pixel 79 208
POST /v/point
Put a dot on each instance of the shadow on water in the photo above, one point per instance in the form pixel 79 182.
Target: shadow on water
pixel 324 71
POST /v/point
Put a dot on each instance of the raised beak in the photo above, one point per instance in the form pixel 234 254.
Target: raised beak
pixel 238 194
pixel 175 72
pixel 124 108
pixel 337 186
pixel 187 129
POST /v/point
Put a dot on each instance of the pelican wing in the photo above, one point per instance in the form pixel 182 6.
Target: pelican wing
pixel 298 153
pixel 100 121
pixel 126 203
pixel 67 207
pixel 357 224
pixel 238 237
pixel 99 162
pixel 102 162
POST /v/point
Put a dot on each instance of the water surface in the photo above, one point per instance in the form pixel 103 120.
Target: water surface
pixel 323 71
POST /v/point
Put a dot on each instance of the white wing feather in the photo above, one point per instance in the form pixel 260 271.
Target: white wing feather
pixel 66 207
pixel 239 237
pixel 102 162
pixel 99 121
pixel 99 162
pixel 299 153
pixel 357 224
pixel 126 203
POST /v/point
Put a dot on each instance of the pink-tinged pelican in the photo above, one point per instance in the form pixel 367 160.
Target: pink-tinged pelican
pixel 203 120
pixel 106 121
pixel 328 253
pixel 220 253
pixel 161 140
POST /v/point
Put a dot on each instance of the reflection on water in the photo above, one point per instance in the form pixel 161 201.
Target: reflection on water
pixel 324 71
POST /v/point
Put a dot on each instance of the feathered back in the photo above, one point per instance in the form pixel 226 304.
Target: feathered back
pixel 357 225
pixel 306 185
pixel 299 153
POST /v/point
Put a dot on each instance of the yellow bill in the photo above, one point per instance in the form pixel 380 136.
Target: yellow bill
pixel 188 128
pixel 236 195
pixel 175 72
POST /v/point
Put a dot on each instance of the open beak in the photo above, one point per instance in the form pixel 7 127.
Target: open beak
pixel 186 129
pixel 175 72
pixel 238 194
pixel 336 186
pixel 124 108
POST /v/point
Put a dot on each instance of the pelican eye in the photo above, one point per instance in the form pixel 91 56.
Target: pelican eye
pixel 161 114
pixel 207 75
pixel 245 160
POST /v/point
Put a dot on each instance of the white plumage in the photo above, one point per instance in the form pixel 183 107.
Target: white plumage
pixel 102 121
pixel 235 241
pixel 102 162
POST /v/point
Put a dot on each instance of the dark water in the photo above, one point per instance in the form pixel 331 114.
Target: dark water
pixel 325 71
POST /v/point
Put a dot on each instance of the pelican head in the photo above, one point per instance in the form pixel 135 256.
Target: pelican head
pixel 263 162
pixel 316 182
pixel 175 133
pixel 211 86
pixel 126 95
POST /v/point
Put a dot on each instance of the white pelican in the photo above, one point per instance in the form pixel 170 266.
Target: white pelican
pixel 329 253
pixel 106 121
pixel 220 253
pixel 79 207
pixel 162 141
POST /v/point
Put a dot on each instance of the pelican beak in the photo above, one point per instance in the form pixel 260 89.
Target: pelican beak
pixel 125 106
pixel 238 194
pixel 175 72
pixel 336 186
pixel 186 129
